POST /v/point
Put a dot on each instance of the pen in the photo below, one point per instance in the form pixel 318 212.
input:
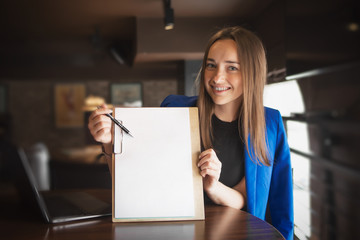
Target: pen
pixel 117 123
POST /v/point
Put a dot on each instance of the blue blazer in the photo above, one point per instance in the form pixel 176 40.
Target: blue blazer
pixel 266 187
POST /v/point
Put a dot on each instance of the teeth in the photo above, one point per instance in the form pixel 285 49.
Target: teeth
pixel 221 88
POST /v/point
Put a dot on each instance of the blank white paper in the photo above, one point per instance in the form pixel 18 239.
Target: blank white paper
pixel 153 172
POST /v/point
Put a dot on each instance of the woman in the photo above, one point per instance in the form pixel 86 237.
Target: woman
pixel 245 161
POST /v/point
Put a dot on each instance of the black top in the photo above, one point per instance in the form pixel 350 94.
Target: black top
pixel 229 148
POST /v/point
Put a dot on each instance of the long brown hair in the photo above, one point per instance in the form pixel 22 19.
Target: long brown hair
pixel 253 67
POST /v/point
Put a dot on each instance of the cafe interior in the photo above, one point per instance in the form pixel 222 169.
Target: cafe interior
pixel 61 59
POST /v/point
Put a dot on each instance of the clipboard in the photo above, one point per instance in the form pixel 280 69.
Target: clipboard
pixel 154 174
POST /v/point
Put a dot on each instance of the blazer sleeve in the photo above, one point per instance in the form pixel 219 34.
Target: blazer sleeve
pixel 281 186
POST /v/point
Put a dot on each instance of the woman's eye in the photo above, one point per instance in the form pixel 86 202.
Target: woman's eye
pixel 232 68
pixel 210 65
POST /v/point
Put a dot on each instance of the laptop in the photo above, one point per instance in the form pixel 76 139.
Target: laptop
pixel 58 206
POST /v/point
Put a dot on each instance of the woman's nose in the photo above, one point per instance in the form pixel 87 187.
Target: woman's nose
pixel 219 76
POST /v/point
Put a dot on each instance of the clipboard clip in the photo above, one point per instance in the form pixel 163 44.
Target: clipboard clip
pixel 118 139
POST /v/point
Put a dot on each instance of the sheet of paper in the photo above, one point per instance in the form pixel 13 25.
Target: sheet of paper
pixel 153 172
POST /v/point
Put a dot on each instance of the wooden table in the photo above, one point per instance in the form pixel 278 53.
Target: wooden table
pixel 220 223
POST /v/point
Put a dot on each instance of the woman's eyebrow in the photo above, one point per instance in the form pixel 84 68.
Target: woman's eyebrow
pixel 232 62
pixel 228 61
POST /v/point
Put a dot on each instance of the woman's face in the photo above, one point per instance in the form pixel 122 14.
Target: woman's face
pixel 222 74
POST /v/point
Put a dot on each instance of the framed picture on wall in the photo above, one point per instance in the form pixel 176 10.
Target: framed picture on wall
pixel 126 94
pixel 69 102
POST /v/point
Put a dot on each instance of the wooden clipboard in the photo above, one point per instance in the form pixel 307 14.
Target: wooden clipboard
pixel 126 206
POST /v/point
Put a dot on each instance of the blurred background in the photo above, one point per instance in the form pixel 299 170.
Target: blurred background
pixel 60 59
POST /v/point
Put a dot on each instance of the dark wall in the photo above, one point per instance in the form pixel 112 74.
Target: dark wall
pixel 321 34
pixel 332 115
pixel 323 57
pixel 31 107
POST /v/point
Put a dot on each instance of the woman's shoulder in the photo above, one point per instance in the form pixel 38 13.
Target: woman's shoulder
pixel 179 101
pixel 271 112
pixel 272 116
pixel 275 131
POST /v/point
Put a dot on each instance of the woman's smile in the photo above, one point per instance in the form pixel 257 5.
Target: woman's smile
pixel 219 89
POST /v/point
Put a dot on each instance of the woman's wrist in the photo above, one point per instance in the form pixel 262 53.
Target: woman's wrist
pixel 212 190
pixel 107 152
pixel 106 149
pixel 226 196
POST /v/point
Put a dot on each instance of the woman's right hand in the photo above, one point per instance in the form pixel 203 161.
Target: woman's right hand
pixel 210 169
pixel 100 125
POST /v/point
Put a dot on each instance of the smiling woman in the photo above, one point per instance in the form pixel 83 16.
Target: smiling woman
pixel 245 161
pixel 245 158
pixel 244 55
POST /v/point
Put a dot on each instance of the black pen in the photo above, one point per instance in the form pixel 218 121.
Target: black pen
pixel 118 123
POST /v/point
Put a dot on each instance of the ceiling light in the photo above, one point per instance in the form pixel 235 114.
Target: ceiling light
pixel 169 15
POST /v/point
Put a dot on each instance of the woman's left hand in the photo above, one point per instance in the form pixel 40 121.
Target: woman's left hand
pixel 210 169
